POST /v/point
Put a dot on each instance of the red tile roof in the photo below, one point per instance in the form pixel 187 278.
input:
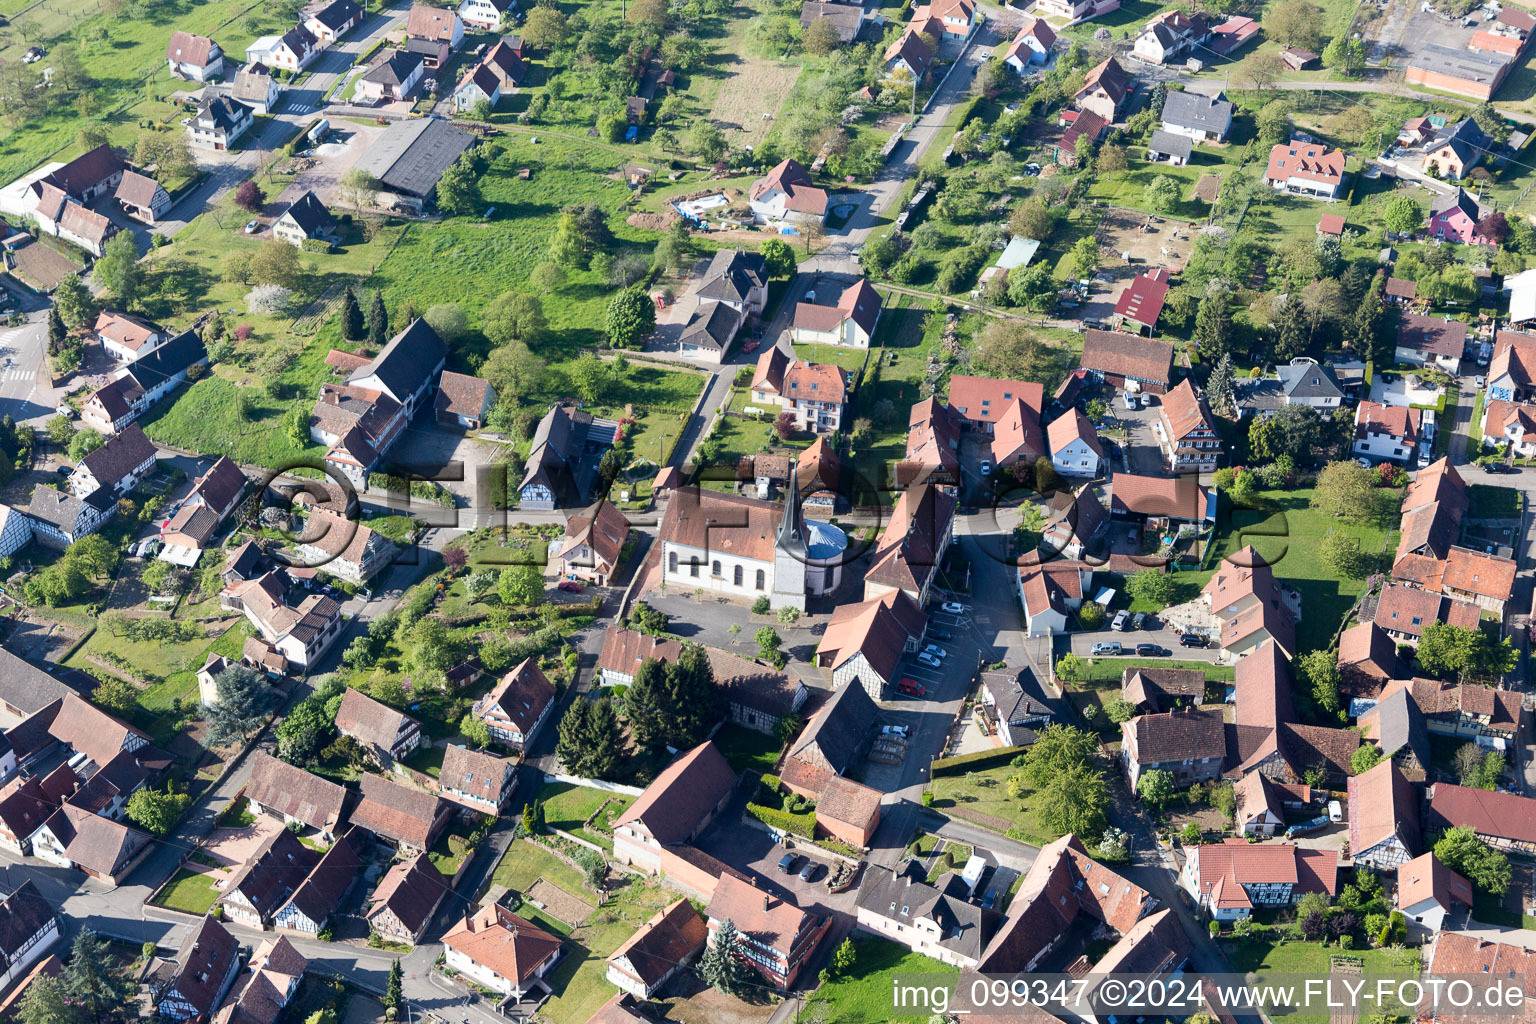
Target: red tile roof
pixel 1142 300
pixel 1307 161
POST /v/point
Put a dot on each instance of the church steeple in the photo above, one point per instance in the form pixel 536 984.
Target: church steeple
pixel 791 526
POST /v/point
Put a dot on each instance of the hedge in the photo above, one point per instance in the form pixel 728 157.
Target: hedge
pixel 802 825
pixel 981 760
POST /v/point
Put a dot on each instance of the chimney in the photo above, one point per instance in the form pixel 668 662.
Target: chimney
pixel 766 901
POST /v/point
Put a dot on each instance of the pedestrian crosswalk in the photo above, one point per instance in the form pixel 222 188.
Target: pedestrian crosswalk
pixel 8 336
pixel 14 374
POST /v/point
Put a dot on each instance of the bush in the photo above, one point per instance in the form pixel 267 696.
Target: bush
pixel 981 760
pixel 316 245
pixel 803 825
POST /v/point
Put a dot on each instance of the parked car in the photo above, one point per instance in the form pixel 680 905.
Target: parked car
pixel 953 607
pixel 33 55
pixel 252 226
pixel 1194 640
pixel 1366 463
pixel 1335 811
pixel 1121 620
pixel 569 587
pixel 809 871
pixel 940 634
pixel 986 467
pixel 927 659
pixel 787 863
pixel 1104 648
pixel 936 651
pixel 1129 401
pixel 1478 382
pixel 910 687
pixel 1151 651
pixel 1139 620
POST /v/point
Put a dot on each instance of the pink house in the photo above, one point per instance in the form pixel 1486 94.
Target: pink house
pixel 1454 219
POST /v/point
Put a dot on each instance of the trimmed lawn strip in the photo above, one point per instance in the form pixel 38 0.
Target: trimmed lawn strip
pixel 982 798
pixel 865 994
pixel 188 892
pixel 580 980
pixel 567 807
pixel 747 749
pixel 525 862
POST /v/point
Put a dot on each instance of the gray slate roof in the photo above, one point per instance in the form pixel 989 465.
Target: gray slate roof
pixel 411 156
pixel 905 896
pixel 1192 110
pixel 1309 380
pixel 1171 144
pixel 25 687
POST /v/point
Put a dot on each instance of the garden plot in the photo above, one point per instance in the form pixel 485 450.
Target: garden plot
pixel 750 96
pixel 1148 241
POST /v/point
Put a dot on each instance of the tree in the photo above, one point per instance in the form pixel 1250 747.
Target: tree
pixel 1221 388
pixel 244 702
pixel 448 319
pixel 1460 850
pixel 475 730
pixel 590 742
pixel 513 317
pixel 1162 193
pixel 1083 258
pixel 249 196
pixel 1075 800
pixel 1010 349
pixel 1347 490
pixel 1469 764
pixel 1446 650
pixel 513 369
pixel 1151 585
pixel 74 303
pixel 353 327
pixel 547 277
pixel 378 320
pixel 723 964
pixel 430 648
pixel 458 190
pixel 304 732
pixel 768 643
pixel 1213 323
pixel 784 425
pixel 1365 757
pixel 276 262
pixel 630 316
pixel 779 254
pixel 93 555
pixel 520 585
pixel 393 988
pixel 1402 214
pixel 544 27
pixel 1156 787
pixel 1493 226
pixel 1058 748
pixel 83 443
pixel 91 979
pixel 157 812
pixel 819 37
pixel 704 139
pixel 358 189
pixel 118 270
pixel 590 376
pixel 61 430
pixel 1320 668
pixel 1341 552
pixel 1294 23
pixel 844 957
pixel 46 1002
pixel 1345 55
pixel 673 703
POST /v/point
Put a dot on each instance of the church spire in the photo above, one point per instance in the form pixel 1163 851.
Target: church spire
pixel 791 527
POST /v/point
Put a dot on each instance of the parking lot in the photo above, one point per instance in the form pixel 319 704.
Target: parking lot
pixel 754 852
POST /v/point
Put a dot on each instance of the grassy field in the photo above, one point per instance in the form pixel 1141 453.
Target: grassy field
pixel 982 798
pixel 1101 669
pixel 188 892
pixel 567 807
pixel 1287 534
pixel 747 749
pixel 864 997
pixel 452 850
pixel 579 980
pixel 525 862
pixel 1315 960
pixel 1491 502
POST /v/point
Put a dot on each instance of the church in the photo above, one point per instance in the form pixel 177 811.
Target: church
pixel 748 548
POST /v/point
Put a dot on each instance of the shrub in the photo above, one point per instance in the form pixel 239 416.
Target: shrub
pixel 316 245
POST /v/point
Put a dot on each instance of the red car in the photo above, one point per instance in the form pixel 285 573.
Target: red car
pixel 910 687
pixel 750 346
pixel 569 587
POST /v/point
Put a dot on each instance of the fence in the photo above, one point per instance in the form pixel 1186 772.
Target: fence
pixel 607 787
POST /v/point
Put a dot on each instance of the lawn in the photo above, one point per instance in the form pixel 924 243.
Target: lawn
pixel 580 979
pixel 1491 502
pixel 982 798
pixel 452 850
pixel 1110 669
pixel 188 892
pixel 747 749
pixel 427 760
pixel 1314 960
pixel 1287 534
pixel 866 994
pixel 525 862
pixel 567 807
